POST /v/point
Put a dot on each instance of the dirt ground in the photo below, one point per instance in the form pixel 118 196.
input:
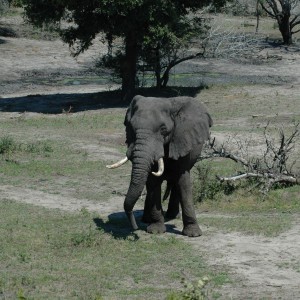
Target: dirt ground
pixel 35 67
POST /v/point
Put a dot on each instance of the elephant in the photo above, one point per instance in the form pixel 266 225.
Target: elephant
pixel 164 138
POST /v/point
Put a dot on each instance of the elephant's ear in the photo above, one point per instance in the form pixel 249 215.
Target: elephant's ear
pixel 192 122
pixel 131 109
pixel 128 129
pixel 128 116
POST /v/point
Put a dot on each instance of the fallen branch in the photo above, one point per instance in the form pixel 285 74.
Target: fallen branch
pixel 273 177
pixel 222 152
pixel 270 169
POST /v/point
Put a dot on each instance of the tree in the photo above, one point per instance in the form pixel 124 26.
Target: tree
pixel 284 11
pixel 167 46
pixel 131 20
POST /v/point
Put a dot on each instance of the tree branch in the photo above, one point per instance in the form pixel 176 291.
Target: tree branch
pixel 272 177
pixel 294 19
pixel 296 31
pixel 165 76
pixel 269 169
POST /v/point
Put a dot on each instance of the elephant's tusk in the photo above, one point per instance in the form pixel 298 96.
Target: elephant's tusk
pixel 118 164
pixel 161 168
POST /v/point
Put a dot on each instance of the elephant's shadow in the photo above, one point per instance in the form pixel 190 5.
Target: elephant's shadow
pixel 118 226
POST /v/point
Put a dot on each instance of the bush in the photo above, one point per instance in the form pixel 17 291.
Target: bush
pixel 208 187
pixel 191 291
pixel 7 146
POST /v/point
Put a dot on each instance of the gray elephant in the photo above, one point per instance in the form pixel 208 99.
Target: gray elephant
pixel 165 137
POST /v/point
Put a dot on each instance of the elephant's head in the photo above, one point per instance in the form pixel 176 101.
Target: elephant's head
pixel 159 128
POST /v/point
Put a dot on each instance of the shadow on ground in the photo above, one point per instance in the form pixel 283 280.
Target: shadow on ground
pixel 278 44
pixel 118 225
pixel 7 32
pixel 62 103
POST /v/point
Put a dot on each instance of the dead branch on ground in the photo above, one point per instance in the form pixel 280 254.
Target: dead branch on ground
pixel 271 168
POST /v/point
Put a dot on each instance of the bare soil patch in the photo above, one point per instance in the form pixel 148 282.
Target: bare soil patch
pixel 262 267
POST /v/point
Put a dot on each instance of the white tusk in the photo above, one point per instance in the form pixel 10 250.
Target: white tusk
pixel 118 164
pixel 161 168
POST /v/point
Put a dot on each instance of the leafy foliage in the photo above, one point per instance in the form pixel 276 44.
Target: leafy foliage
pixel 137 21
pixel 207 187
pixel 166 46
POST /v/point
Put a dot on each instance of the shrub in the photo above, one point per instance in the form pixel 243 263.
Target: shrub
pixel 7 146
pixel 191 291
pixel 206 187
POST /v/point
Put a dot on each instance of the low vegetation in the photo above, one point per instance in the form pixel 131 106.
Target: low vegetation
pixel 46 253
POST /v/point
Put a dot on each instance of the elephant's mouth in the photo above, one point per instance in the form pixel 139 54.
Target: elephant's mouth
pixel 161 166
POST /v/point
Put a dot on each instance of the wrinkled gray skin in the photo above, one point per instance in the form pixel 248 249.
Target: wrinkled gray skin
pixel 174 129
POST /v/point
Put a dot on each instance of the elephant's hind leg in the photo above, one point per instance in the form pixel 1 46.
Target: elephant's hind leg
pixel 173 206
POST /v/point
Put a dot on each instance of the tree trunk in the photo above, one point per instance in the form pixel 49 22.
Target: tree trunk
pixel 257 16
pixel 158 67
pixel 129 67
pixel 284 23
pixel 166 78
pixel 284 27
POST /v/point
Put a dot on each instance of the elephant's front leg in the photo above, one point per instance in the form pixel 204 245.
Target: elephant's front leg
pixel 154 203
pixel 190 224
pixel 147 209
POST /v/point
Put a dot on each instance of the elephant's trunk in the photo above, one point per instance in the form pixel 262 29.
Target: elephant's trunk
pixel 139 175
pixel 141 166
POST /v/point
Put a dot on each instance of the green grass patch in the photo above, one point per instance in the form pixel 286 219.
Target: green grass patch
pixel 73 124
pixel 252 224
pixel 292 264
pixel 49 254
pixel 55 166
pixel 236 101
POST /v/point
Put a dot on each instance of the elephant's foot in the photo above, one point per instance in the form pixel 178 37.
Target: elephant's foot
pixel 192 230
pixel 170 215
pixel 157 227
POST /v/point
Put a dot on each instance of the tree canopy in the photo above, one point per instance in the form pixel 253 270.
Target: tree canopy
pixel 132 20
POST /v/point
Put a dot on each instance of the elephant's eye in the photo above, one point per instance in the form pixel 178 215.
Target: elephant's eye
pixel 164 130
